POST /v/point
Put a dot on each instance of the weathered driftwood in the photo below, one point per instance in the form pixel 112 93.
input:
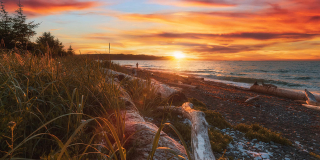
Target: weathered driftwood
pixel 144 133
pixel 295 95
pixel 201 147
pixel 311 106
pixel 183 85
pixel 163 90
pixel 311 99
pixel 252 98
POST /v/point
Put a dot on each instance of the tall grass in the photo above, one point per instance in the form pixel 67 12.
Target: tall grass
pixel 64 109
pixel 57 107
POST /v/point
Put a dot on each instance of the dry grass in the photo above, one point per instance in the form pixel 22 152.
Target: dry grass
pixel 62 108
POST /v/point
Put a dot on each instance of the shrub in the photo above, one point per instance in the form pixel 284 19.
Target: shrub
pixel 219 141
pixel 255 131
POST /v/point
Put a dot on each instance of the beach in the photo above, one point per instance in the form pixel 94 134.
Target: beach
pixel 296 122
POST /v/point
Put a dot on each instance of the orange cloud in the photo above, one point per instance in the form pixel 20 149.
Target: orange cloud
pixel 196 3
pixel 47 7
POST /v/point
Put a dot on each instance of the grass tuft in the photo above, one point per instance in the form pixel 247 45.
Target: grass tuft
pixel 219 141
pixel 213 118
pixel 315 155
pixel 255 131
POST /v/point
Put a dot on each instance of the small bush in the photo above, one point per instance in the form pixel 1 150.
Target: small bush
pixel 219 141
pixel 255 131
pixel 213 118
pixel 242 127
pixel 197 103
pixel 314 155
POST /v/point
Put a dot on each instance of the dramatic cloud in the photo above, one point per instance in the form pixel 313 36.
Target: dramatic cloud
pixel 197 3
pixel 256 36
pixel 208 29
pixel 46 7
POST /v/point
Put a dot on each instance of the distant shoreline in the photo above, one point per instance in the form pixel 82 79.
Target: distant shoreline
pixel 126 57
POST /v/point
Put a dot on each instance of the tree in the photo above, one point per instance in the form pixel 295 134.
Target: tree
pixel 22 31
pixel 48 44
pixel 15 31
pixel 6 27
pixel 70 51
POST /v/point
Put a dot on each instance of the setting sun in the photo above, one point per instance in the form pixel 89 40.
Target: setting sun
pixel 178 55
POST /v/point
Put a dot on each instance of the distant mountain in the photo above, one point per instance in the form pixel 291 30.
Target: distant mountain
pixel 125 57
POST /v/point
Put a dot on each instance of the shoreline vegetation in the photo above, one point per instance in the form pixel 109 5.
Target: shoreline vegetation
pixel 67 108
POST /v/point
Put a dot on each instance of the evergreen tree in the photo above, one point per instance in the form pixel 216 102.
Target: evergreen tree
pixel 48 43
pixel 22 31
pixel 70 51
pixel 6 34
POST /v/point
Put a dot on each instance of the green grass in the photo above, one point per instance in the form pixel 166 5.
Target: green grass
pixel 219 141
pixel 315 155
pixel 255 131
pixel 213 118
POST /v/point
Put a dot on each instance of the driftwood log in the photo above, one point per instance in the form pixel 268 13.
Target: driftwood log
pixel 252 98
pixel 163 90
pixel 311 99
pixel 295 95
pixel 200 143
pixel 311 106
pixel 144 133
pixel 183 85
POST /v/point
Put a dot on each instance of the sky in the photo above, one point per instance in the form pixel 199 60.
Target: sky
pixel 200 29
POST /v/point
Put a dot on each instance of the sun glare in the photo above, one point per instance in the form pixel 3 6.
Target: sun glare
pixel 178 55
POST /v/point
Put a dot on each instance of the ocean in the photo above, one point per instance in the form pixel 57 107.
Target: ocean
pixel 295 75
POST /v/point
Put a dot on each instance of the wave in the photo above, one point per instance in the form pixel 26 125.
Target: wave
pixel 253 80
pixel 238 74
pixel 261 70
pixel 302 78
pixel 282 71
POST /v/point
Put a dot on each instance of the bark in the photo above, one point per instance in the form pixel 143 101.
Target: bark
pixel 144 132
pixel 201 147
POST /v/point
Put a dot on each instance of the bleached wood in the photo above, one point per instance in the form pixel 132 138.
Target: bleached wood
pixel 252 98
pixel 280 92
pixel 165 91
pixel 311 106
pixel 311 99
pixel 200 142
pixel 183 85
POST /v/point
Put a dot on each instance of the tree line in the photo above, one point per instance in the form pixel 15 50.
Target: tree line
pixel 15 33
